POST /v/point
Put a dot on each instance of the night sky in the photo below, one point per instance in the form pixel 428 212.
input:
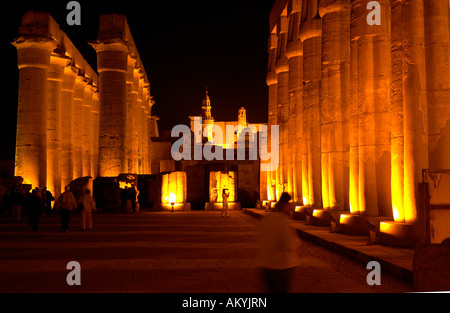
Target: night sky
pixel 184 45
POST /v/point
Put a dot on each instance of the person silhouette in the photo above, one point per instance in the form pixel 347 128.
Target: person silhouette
pixel 88 207
pixel 66 203
pixel 225 195
pixel 278 247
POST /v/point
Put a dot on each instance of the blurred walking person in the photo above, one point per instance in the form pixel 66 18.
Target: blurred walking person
pixel 279 245
pixel 65 204
pixel 88 207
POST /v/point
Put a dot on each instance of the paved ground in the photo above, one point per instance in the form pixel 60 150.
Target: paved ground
pixel 181 252
pixel 397 262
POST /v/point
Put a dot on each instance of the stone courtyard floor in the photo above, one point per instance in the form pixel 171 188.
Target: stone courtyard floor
pixel 164 252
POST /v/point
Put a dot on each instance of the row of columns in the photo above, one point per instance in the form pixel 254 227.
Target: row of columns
pixel 362 109
pixel 125 103
pixel 73 122
pixel 57 117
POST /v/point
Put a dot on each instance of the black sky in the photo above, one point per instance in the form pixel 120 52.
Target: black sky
pixel 184 45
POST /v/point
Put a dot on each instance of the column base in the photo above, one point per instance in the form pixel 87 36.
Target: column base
pixel 401 235
pixel 268 204
pixel 300 212
pixel 158 207
pixel 321 217
pixel 358 224
pixel 232 206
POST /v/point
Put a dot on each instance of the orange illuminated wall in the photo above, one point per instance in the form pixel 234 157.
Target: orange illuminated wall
pixel 173 188
pixel 219 181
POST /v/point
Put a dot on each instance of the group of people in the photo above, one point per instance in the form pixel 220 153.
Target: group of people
pixel 31 204
pixel 37 203
pixel 129 197
pixel 66 204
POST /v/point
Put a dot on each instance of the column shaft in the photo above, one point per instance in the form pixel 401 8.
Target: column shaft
pixel 295 129
pixel 31 136
pixel 335 93
pixel 77 127
pixel 272 81
pixel 415 105
pixel 438 82
pixel 282 70
pixel 55 77
pixel 311 36
pixel 112 67
pixel 67 98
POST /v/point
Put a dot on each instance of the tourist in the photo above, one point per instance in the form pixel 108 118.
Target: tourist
pixel 33 208
pixel 124 197
pixel 133 197
pixel 225 195
pixel 47 199
pixel 278 247
pixel 65 204
pixel 17 201
pixel 88 207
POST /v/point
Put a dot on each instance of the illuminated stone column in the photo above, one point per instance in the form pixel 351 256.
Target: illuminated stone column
pixel 335 95
pixel 311 36
pixel 130 115
pixel 94 130
pixel 354 117
pixel 382 101
pixel 145 129
pixel 295 55
pixel 272 81
pixel 374 68
pixel 149 134
pixel 33 58
pixel 67 96
pixel 134 148
pixel 86 127
pixel 112 58
pixel 415 107
pixel 77 126
pixel 282 70
pixel 436 21
pixel 139 127
pixel 397 132
pixel 147 163
pixel 55 76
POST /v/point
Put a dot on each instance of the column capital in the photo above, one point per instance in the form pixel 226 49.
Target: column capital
pixel 282 26
pixel 310 29
pixel 330 6
pixel 56 67
pixel 60 60
pixel 34 52
pixel 109 45
pixel 272 42
pixel 294 47
pixel 112 55
pixel 282 65
pixel 294 6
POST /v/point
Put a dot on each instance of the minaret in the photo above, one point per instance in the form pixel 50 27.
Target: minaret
pixel 207 119
pixel 242 117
